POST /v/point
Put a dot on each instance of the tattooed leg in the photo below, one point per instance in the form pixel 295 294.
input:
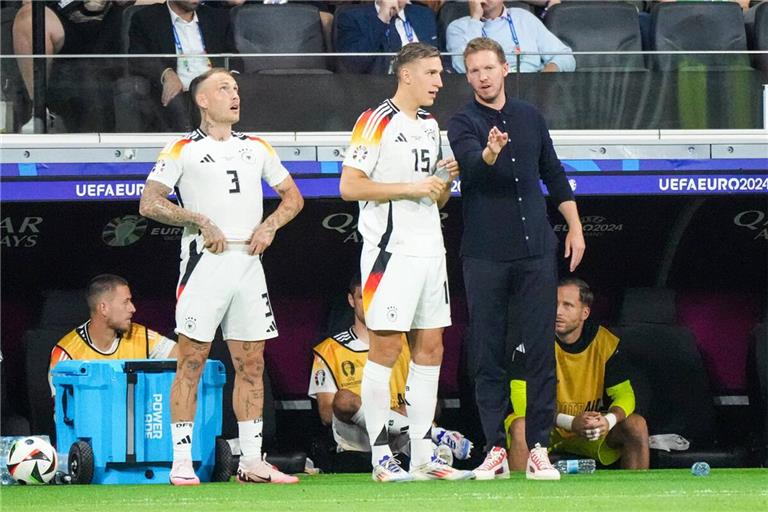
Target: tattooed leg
pixel 248 394
pixel 189 367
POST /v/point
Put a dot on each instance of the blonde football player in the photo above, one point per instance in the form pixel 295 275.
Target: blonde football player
pixel 390 168
pixel 217 175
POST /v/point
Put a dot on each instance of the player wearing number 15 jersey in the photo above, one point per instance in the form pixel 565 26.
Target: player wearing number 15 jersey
pixel 217 176
pixel 390 169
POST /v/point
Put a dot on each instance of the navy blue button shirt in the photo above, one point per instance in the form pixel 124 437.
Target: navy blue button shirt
pixel 505 213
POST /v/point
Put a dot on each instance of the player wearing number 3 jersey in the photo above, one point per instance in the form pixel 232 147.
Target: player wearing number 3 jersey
pixel 217 176
pixel 391 168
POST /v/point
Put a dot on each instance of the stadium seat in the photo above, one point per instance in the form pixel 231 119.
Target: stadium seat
pixel 289 28
pixel 671 385
pixel 757 33
pixel 681 401
pixel 454 10
pixel 721 322
pixel 125 26
pixel 695 27
pixel 599 26
pixel 62 311
pixel 339 64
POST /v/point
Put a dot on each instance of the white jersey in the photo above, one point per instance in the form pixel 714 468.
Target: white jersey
pixel 391 147
pixel 220 179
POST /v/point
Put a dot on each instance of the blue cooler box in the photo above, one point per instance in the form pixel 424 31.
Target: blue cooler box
pixel 113 417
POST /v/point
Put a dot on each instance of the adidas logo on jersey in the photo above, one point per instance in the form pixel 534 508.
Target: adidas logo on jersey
pixel 207 159
pixel 401 138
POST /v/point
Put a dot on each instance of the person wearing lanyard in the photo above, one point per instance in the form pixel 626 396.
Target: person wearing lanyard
pixel 181 27
pixel 519 32
pixel 188 40
pixel 383 26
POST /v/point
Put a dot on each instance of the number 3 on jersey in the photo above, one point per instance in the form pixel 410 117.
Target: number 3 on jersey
pixel 235 182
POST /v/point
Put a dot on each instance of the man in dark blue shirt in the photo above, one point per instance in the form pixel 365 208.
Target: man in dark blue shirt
pixel 509 251
pixel 383 26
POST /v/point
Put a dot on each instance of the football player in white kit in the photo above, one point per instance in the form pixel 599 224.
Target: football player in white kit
pixel 394 168
pixel 217 176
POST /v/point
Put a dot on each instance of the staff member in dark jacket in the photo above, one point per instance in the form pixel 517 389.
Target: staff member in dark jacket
pixel 509 251
pixel 182 27
pixel 383 26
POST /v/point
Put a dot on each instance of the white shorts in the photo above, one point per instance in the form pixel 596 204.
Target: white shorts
pixel 227 289
pixel 402 292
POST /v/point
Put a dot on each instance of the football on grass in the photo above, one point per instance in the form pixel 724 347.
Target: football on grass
pixel 32 461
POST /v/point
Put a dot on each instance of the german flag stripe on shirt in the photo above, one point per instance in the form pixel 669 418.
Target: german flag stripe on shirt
pixel 379 266
pixel 371 124
pixel 261 141
pixel 266 144
pixel 174 152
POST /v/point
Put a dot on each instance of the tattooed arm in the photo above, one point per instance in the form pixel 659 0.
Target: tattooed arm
pixel 156 206
pixel 290 205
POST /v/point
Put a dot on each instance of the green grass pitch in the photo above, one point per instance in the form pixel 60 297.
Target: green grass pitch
pixel 610 490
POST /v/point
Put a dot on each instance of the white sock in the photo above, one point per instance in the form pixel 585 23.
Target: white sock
pixel 375 396
pixel 421 400
pixel 250 432
pixel 398 424
pixel 359 418
pixel 181 436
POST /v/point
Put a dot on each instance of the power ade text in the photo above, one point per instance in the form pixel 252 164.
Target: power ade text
pixel 153 420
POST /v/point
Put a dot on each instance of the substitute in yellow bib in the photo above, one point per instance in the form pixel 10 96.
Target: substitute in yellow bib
pixel 589 367
pixel 335 383
pixel 109 333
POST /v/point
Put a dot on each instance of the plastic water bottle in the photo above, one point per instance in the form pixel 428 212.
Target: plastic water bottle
pixel 700 469
pixel 572 467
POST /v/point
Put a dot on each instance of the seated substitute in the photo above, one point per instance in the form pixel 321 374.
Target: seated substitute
pixel 589 366
pixel 337 373
pixel 109 333
pixel 516 30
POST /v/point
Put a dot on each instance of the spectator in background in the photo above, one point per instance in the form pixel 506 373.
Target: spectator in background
pixel 383 26
pixel 109 333
pixel 590 364
pixel 178 26
pixel 71 27
pixel 335 383
pixel 517 30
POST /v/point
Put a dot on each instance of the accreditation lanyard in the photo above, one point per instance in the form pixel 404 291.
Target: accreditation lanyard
pixel 408 30
pixel 180 50
pixel 511 31
pixel 409 34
